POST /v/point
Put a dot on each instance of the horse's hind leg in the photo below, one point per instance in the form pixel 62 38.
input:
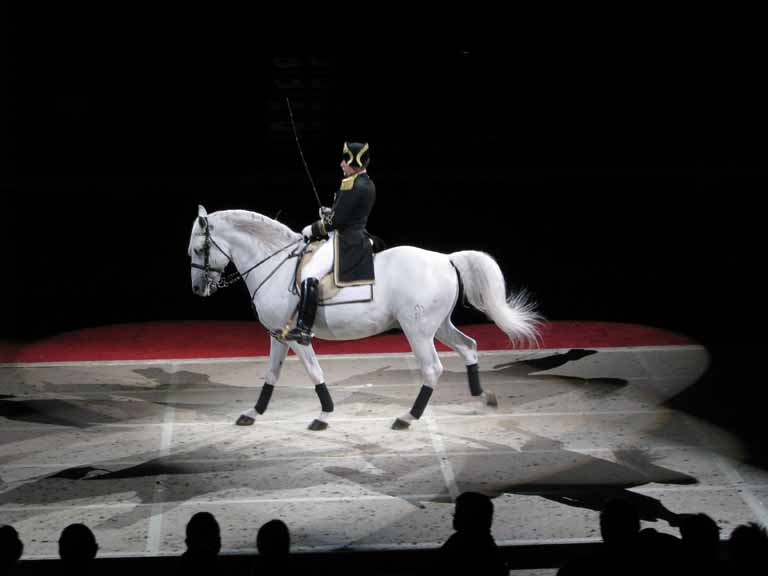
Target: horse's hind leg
pixel 466 347
pixel 277 353
pixel 431 369
pixel 308 358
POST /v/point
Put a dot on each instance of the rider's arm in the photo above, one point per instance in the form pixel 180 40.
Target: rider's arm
pixel 337 217
pixel 350 205
pixel 345 209
pixel 319 229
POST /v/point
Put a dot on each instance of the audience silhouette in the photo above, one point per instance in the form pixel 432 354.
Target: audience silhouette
pixel 11 549
pixel 627 549
pixel 273 542
pixel 747 548
pixel 701 540
pixel 203 545
pixel 77 549
pixel 471 549
pixel 659 551
pixel 620 531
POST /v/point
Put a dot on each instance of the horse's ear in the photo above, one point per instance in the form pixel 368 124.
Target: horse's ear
pixel 202 215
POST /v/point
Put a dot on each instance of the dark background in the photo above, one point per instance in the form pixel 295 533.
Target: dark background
pixel 609 183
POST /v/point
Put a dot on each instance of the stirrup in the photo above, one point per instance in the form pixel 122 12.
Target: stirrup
pixel 299 335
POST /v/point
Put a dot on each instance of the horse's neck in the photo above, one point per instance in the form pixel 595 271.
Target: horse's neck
pixel 250 235
pixel 248 250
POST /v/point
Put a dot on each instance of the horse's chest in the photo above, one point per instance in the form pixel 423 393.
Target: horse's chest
pixel 274 313
pixel 271 319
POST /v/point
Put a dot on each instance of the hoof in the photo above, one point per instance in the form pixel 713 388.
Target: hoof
pixel 244 420
pixel 399 424
pixel 491 400
pixel 318 425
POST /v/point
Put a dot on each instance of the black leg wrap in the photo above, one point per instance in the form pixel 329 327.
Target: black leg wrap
pixel 325 398
pixel 264 397
pixel 473 375
pixel 421 402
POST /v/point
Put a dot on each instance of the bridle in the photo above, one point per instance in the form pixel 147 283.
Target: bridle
pixel 206 266
pixel 225 281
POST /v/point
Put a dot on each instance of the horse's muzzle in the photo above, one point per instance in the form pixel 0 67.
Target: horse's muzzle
pixel 205 290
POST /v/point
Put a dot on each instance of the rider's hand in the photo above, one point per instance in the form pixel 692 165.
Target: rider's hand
pixel 325 212
pixel 307 233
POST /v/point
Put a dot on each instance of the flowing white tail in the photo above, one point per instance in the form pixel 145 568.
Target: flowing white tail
pixel 485 289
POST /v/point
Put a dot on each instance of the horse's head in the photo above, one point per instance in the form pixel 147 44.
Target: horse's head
pixel 208 256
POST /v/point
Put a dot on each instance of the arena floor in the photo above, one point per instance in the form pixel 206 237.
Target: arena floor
pixel 134 447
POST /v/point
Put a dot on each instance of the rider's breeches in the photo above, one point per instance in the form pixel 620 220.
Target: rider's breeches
pixel 321 262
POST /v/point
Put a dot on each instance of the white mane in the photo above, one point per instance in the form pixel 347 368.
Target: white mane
pixel 270 232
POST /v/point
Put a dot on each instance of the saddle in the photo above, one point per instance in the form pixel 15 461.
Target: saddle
pixel 328 293
pixel 326 288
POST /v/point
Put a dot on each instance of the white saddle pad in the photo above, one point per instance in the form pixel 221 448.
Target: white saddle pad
pixel 348 295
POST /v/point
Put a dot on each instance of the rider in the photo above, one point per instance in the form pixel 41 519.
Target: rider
pixel 348 249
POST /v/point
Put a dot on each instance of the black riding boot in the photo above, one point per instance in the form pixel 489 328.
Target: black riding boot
pixel 307 308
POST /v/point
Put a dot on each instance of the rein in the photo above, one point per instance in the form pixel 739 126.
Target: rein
pixel 236 276
pixel 230 279
pixel 291 255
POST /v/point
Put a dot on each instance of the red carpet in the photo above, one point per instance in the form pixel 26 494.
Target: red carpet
pixel 232 339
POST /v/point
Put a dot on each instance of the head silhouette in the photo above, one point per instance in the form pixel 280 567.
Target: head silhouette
pixel 619 522
pixel 203 534
pixel 748 542
pixel 273 539
pixel 77 544
pixel 699 531
pixel 11 547
pixel 473 513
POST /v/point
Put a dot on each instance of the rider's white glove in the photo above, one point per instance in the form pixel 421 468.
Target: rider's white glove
pixel 325 211
pixel 307 233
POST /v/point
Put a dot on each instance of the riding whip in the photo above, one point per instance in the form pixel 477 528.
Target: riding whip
pixel 296 136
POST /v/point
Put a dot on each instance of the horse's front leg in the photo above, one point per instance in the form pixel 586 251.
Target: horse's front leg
pixel 277 353
pixel 307 356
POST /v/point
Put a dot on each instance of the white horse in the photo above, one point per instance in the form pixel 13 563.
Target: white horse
pixel 415 290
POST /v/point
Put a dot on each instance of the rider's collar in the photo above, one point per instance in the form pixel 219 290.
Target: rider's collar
pixel 348 182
